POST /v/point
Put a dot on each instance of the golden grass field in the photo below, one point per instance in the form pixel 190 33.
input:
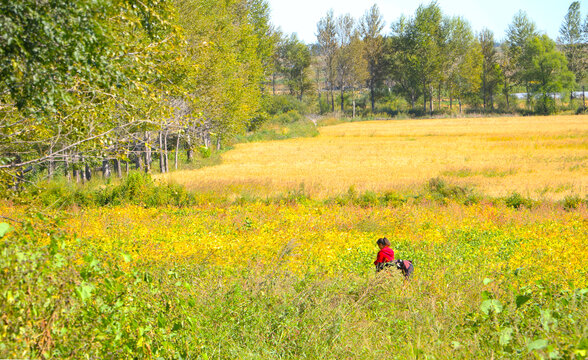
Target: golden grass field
pixel 539 157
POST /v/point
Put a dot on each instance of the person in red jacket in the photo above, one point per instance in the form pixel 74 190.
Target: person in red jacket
pixel 385 255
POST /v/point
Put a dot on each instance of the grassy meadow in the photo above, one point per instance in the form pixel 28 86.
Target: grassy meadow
pixel 249 264
pixel 538 157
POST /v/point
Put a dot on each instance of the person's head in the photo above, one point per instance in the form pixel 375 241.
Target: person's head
pixel 383 242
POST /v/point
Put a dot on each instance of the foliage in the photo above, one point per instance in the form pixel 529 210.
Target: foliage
pixel 546 71
pixel 485 276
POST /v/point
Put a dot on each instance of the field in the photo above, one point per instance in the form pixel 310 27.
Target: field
pixel 538 157
pixel 284 272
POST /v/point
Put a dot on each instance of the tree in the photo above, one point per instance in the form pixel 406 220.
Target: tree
pixel 371 26
pixel 327 41
pixel 573 44
pixel 518 34
pixel 294 65
pixel 344 58
pixel 546 71
pixel 428 39
pixel 461 56
pixel 491 73
pixel 400 61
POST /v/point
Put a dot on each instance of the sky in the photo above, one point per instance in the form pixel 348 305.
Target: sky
pixel 301 16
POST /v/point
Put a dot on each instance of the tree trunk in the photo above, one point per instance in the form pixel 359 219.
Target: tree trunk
pixel 332 99
pixel 373 97
pixel 118 168
pixel 161 161
pixel 50 169
pixel 75 171
pixel 88 173
pixel 424 97
pixel 66 172
pixel 165 151
pixel 459 101
pixel 177 151
pixel 342 104
pixel 583 97
pixel 450 102
pixel 439 97
pixel 148 159
pixel 218 142
pixel 431 101
pixel 127 167
pixel 106 169
pixel 189 152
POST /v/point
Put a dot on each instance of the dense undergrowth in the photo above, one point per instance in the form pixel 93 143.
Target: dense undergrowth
pixel 140 189
pixel 247 281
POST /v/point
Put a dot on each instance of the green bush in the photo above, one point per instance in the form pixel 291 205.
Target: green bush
pixel 572 202
pixel 515 200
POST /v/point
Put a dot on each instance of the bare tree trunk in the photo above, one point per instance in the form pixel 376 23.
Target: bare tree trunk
pixel 118 168
pixel 88 173
pixel 147 152
pixel 161 161
pixel 106 168
pixel 459 100
pixel 189 152
pixel 166 163
pixel 424 96
pixel 431 101
pixel 439 97
pixel 177 150
pixel 127 168
pixel 50 169
pixel 66 168
pixel 218 142
pixel 342 99
pixel 76 171
pixel 450 102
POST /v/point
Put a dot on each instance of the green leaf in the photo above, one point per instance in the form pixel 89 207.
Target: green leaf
pixel 537 345
pixel 505 336
pixel 126 257
pixel 488 281
pixel 491 305
pixel 84 291
pixel 521 300
pixel 4 229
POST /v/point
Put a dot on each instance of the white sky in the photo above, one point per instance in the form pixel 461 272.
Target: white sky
pixel 301 16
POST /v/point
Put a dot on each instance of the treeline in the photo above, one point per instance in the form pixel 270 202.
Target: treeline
pixel 430 60
pixel 119 85
pixel 115 85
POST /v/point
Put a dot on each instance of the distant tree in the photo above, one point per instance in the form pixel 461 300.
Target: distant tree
pixel 371 26
pixel 546 71
pixel 327 41
pixel 345 57
pixel 571 38
pixel 519 32
pixel 462 68
pixel 295 64
pixel 491 72
pixel 401 61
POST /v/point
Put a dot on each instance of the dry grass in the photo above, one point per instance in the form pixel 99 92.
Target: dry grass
pixel 539 157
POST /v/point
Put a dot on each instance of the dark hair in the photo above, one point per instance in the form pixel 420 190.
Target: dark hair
pixel 383 241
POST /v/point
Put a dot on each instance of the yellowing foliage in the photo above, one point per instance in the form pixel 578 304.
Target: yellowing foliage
pixel 467 241
pixel 539 157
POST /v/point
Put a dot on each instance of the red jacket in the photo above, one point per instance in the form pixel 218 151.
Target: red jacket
pixel 384 255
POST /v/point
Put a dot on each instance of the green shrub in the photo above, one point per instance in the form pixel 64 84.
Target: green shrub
pixel 572 202
pixel 515 200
